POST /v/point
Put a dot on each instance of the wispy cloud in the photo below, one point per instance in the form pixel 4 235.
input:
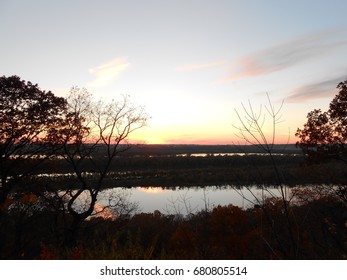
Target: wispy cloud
pixel 192 67
pixel 286 55
pixel 323 89
pixel 108 72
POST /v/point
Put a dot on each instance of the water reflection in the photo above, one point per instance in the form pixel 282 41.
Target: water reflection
pixel 151 190
pixel 189 200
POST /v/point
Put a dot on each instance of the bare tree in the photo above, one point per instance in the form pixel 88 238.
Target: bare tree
pixel 251 129
pixel 96 132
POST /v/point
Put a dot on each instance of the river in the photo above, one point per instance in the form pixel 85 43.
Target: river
pixel 189 200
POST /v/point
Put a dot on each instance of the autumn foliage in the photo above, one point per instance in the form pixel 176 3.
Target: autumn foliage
pixel 39 218
pixel 224 232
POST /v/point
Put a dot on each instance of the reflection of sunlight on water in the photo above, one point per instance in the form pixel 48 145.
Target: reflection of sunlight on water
pixel 101 212
pixel 151 190
pixel 195 199
pixel 172 201
pixel 83 201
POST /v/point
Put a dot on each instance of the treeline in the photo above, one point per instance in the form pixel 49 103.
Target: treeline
pixel 225 232
pixel 178 149
pixel 186 171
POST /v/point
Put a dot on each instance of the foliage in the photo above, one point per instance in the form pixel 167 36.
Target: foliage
pixel 27 116
pixel 36 126
pixel 224 232
pixel 324 135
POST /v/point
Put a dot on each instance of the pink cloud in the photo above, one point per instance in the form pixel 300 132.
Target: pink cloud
pixel 321 89
pixel 286 55
pixel 246 68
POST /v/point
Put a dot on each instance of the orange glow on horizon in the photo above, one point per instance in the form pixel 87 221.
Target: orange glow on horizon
pixel 154 140
pixel 199 141
pixel 200 135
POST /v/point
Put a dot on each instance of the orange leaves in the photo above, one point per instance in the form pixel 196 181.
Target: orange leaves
pixel 26 199
pixel 53 253
pixel 227 232
pixel 48 253
pixel 7 203
pixel 29 199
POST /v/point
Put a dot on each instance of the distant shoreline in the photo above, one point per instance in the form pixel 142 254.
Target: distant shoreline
pixel 171 149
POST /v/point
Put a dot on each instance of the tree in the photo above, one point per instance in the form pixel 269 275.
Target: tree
pixel 36 125
pixel 29 118
pixel 324 135
pixel 95 133
pixel 251 129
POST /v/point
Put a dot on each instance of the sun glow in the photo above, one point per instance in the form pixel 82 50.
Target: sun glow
pixel 154 140
pixel 152 190
pixel 102 212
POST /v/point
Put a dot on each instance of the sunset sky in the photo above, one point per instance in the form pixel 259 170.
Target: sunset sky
pixel 189 63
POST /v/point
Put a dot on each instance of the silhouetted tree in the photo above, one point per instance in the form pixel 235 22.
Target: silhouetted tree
pixel 324 135
pixel 252 130
pixel 29 117
pixel 95 133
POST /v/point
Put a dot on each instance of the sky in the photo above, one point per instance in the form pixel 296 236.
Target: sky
pixel 191 64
